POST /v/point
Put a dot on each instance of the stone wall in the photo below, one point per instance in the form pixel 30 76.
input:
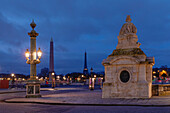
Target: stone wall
pixel 139 84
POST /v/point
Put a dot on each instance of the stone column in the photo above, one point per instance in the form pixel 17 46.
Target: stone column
pixel 33 57
pixel 33 84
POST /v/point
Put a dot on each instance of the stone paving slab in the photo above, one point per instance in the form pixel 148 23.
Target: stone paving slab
pixel 87 97
pixel 15 90
pixel 3 91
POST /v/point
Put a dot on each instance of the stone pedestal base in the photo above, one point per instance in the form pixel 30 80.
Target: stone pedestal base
pixel 33 89
pixel 145 90
pixel 128 74
pixel 142 91
pixel 106 90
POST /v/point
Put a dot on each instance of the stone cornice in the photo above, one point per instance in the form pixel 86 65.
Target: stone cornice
pixel 33 33
pixel 133 51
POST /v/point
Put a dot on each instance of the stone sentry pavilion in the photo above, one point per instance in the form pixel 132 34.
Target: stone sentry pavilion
pixel 128 71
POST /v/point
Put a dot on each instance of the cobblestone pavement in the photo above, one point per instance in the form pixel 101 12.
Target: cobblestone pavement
pixel 87 97
pixel 75 95
pixel 41 108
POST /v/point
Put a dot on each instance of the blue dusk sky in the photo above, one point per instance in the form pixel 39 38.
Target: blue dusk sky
pixel 79 25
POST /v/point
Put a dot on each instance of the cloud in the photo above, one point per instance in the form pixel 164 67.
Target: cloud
pixel 61 48
pixel 79 25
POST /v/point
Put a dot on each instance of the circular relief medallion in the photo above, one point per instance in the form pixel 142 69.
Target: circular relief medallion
pixel 124 76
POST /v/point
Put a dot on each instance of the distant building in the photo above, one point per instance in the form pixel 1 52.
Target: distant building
pixel 44 73
pixel 20 77
pixel 80 77
pixel 74 76
pixel 161 72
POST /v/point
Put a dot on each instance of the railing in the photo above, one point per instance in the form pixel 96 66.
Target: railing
pixel 160 89
pixel 161 82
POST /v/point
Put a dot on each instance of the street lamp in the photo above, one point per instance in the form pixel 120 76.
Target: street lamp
pixel 58 80
pixel 27 54
pixel 34 59
pixel 39 53
pixel 12 79
pixel 53 79
pixel 91 80
pixel 12 75
pixel 58 77
pixel 52 73
pixel 33 84
pixel 64 78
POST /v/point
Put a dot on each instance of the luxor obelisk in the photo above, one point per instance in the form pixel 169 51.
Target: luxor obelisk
pixel 51 64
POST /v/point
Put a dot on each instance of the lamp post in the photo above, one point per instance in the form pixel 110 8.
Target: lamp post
pixel 58 80
pixel 91 81
pixel 53 79
pixel 12 80
pixel 33 84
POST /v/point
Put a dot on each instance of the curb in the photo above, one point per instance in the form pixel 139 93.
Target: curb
pixel 80 104
pixel 19 91
pixel 11 92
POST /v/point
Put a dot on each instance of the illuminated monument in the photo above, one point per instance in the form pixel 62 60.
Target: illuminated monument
pixel 51 65
pixel 128 71
pixel 85 70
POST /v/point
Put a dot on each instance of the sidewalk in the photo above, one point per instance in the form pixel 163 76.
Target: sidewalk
pixel 91 98
pixel 13 90
pixel 16 90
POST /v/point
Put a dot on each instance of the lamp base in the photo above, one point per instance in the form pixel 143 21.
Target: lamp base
pixel 33 89
pixel 32 96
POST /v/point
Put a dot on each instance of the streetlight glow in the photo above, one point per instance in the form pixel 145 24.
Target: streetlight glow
pixel 12 74
pixel 34 56
pixel 27 54
pixel 64 78
pixel 39 53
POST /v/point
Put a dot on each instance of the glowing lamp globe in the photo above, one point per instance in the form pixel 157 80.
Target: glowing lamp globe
pixel 27 54
pixel 12 74
pixel 39 53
